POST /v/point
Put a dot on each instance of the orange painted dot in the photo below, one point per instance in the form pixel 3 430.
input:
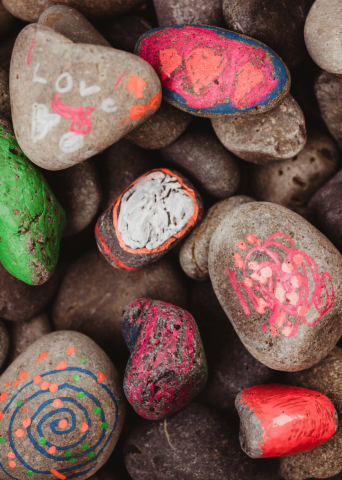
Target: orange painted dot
pixel 52 450
pixel 3 396
pixel 23 409
pixel 101 377
pixel 43 356
pixel 7 384
pixel 63 423
pixel 12 464
pixel 84 427
pixel 71 350
pixel 303 310
pixel 26 422
pixel 56 403
pixel 62 365
pixel 16 383
pixel 241 245
pixel 23 376
pixel 37 379
pixel 20 433
pixel 44 385
pixel 259 242
pixel 11 455
pixel 57 474
pixel 1 415
pixel 53 387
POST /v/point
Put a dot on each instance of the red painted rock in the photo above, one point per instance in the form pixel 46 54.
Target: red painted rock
pixel 209 71
pixel 149 218
pixel 278 420
pixel 167 367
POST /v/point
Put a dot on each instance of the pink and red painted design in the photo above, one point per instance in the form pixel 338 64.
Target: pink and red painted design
pixel 280 283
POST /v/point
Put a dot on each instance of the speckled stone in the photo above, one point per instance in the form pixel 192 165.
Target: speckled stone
pixel 4 343
pixel 314 200
pixel 202 157
pixel 326 460
pixel 64 393
pixel 167 368
pixel 279 281
pixel 93 294
pixel 70 100
pixel 194 254
pixel 195 443
pixel 265 138
pixel 323 36
pixel 329 210
pixel 124 32
pixel 161 129
pixel 5 105
pixel 292 182
pixel 178 12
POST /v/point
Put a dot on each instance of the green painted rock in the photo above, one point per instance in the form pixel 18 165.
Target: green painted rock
pixel 31 219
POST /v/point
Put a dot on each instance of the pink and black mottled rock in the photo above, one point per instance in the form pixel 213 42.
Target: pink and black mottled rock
pixel 278 420
pixel 167 368
pixel 149 218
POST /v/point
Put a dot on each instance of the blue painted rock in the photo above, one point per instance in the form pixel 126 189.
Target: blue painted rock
pixel 62 409
pixel 209 71
pixel 167 367
pixel 148 219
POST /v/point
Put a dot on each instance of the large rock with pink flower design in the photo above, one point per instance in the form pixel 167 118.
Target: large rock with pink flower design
pixel 279 281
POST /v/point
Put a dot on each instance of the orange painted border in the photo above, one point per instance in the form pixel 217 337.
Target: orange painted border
pixel 168 242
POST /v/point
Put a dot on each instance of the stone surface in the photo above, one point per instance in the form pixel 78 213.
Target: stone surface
pixel 323 36
pixel 314 200
pixel 274 135
pixel 194 254
pixel 292 182
pixel 195 443
pixel 5 105
pixel 23 334
pixel 231 367
pixel 167 368
pixel 148 219
pixel 32 220
pixel 4 343
pixel 70 101
pixel 209 71
pixel 161 129
pixel 328 90
pixel 78 189
pixel 124 32
pixel 278 280
pixel 278 420
pixel 178 12
pixel 200 156
pixel 93 294
pixel 62 409
pixel 72 24
pixel 279 25
pixel 329 210
pixel 326 460
pixel 30 10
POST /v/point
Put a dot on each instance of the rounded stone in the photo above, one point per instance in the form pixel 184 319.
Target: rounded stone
pixel 292 182
pixel 314 200
pixel 40 402
pixel 4 343
pixel 265 138
pixel 329 209
pixel 7 21
pixel 167 368
pixel 178 12
pixel 161 129
pixel 194 253
pixel 202 157
pixel 279 281
pixel 93 295
pixel 124 32
pixel 5 105
pixel 323 36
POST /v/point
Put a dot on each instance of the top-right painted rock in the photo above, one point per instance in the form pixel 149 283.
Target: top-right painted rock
pixel 210 71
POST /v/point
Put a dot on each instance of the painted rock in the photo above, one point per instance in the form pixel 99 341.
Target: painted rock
pixel 194 254
pixel 292 182
pixel 323 36
pixel 5 105
pixel 326 460
pixel 30 10
pixel 23 334
pixel 177 12
pixel 269 137
pixel 231 368
pixel 167 368
pixel 149 218
pixel 32 220
pixel 200 156
pixel 64 112
pixel 161 129
pixel 278 420
pixel 329 211
pixel 279 281
pixel 194 443
pixel 79 191
pixel 209 71
pixel 281 28
pixel 124 32
pixel 328 90
pixel 93 295
pixel 4 343
pixel 62 409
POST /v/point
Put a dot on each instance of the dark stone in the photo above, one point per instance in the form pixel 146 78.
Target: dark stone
pixel 5 105
pixel 329 209
pixel 124 32
pixel 4 343
pixel 314 200
pixel 178 12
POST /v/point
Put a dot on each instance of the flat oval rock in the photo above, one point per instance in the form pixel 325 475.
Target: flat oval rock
pixel 71 101
pixel 209 71
pixel 279 281
pixel 62 409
